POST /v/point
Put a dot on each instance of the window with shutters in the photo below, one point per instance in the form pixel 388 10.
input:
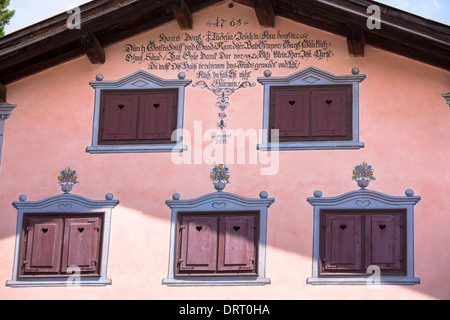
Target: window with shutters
pixel 363 237
pixel 141 117
pixel 138 113
pixel 354 240
pixel 311 110
pixel 51 244
pixel 217 244
pixel 62 241
pixel 304 113
pixel 218 239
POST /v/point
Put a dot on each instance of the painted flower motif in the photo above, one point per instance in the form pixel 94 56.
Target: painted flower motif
pixel 363 170
pixel 220 172
pixel 68 175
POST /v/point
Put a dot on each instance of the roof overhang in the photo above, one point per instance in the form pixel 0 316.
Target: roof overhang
pixel 104 22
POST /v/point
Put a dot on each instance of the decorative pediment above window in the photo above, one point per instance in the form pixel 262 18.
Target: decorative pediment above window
pixel 138 113
pixel 311 109
pixel 447 98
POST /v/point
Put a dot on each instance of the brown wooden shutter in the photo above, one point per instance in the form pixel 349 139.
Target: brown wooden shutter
pixel 237 244
pixel 198 244
pixel 384 241
pixel 330 113
pixel 43 245
pixel 120 114
pixel 156 118
pixel 290 113
pixel 342 243
pixel 81 244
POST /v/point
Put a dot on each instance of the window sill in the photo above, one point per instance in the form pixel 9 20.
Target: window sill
pixel 136 148
pixel 312 145
pixel 370 280
pixel 59 282
pixel 215 281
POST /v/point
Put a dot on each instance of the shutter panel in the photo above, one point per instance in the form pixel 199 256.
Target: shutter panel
pixel 342 243
pixel 198 244
pixel 81 244
pixel 291 113
pixel 237 244
pixel 43 245
pixel 384 241
pixel 330 114
pixel 156 119
pixel 120 114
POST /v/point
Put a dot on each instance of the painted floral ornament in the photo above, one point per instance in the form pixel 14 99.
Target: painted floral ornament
pixel 220 176
pixel 363 174
pixel 67 179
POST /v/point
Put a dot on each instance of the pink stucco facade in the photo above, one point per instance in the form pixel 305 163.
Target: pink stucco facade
pixel 403 123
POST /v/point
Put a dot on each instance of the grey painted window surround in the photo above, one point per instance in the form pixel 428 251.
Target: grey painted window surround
pixel 219 202
pixel 364 200
pixel 5 113
pixel 139 80
pixel 447 97
pixel 312 76
pixel 63 204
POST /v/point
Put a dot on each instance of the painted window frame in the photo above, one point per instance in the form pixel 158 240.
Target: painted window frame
pixel 310 77
pixel 139 80
pixel 219 202
pixel 63 205
pixel 363 201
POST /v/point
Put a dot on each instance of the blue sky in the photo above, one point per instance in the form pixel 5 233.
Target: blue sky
pixel 29 12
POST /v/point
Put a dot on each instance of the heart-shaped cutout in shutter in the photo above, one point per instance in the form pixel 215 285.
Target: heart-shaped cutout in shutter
pixel 292 102
pixel 382 227
pixel 343 226
pixel 121 106
pixel 44 230
pixel 199 228
pixel 236 228
pixel 328 102
pixel 156 105
pixel 80 230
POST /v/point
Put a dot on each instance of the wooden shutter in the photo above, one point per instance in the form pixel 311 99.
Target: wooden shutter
pixel 120 114
pixel 290 113
pixel 342 243
pixel 81 244
pixel 384 241
pixel 43 245
pixel 330 113
pixel 157 119
pixel 237 244
pixel 198 244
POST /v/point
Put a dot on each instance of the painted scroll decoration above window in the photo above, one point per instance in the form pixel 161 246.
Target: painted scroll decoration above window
pixel 373 219
pixel 143 83
pixel 313 78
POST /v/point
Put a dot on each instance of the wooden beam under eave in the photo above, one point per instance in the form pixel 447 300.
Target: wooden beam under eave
pixel 356 41
pixel 182 14
pixel 265 13
pixel 92 48
pixel 2 93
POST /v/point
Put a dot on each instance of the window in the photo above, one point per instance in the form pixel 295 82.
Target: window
pixel 143 117
pixel 51 244
pixel 139 113
pixel 217 244
pixel 352 241
pixel 218 239
pixel 303 113
pixel 312 110
pixel 359 230
pixel 60 238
